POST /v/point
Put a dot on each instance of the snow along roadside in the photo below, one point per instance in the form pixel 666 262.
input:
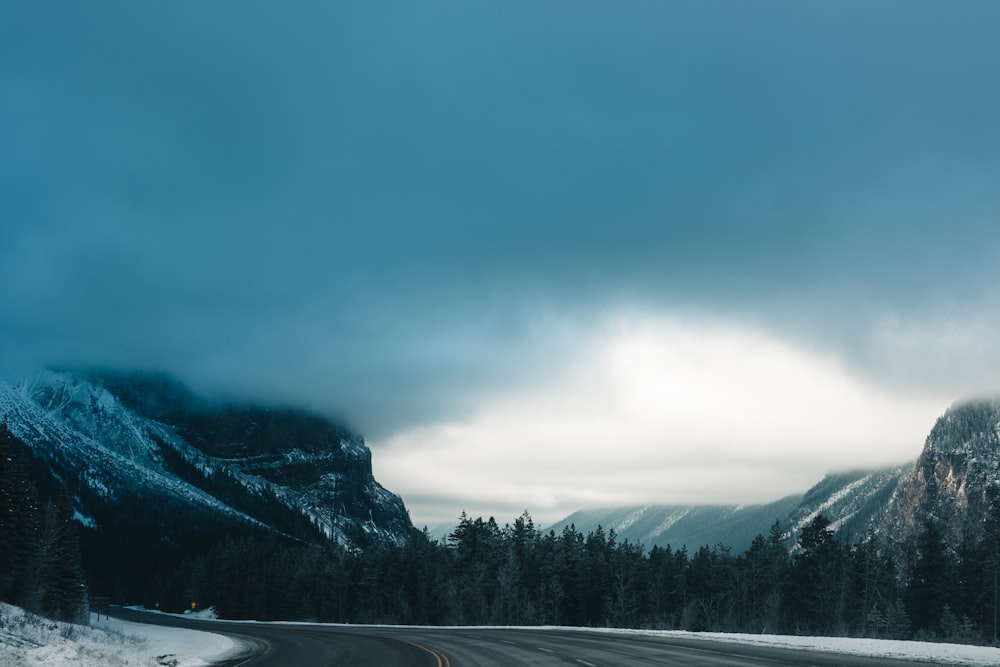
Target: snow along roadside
pixel 933 652
pixel 27 640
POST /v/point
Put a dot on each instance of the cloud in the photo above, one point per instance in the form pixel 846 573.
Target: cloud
pixel 407 216
pixel 658 410
pixel 951 351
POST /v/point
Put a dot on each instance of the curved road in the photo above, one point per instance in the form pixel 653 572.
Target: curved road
pixel 300 645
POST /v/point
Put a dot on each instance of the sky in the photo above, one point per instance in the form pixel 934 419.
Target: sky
pixel 543 255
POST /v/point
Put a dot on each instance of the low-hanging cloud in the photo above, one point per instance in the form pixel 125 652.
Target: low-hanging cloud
pixel 660 411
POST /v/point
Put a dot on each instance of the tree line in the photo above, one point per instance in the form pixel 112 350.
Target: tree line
pixel 40 562
pixel 517 575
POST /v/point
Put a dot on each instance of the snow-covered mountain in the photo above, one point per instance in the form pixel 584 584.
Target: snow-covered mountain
pixel 118 440
pixel 956 479
pixel 689 526
pixel 854 502
pixel 953 483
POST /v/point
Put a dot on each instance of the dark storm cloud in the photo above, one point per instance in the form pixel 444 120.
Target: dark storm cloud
pixel 379 209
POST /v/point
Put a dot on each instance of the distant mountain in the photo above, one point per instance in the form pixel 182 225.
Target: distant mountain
pixel 689 526
pixel 853 501
pixel 954 483
pixel 160 472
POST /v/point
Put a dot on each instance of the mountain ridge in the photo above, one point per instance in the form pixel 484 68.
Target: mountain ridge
pixel 955 482
pixel 956 479
pixel 851 500
pixel 208 471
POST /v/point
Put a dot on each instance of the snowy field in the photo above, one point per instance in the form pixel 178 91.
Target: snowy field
pixel 27 640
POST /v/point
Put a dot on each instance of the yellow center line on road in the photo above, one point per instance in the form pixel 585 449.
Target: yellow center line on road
pixel 441 658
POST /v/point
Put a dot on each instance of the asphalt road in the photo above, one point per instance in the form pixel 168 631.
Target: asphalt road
pixel 294 645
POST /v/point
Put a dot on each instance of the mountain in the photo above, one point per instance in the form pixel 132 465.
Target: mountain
pixel 954 483
pixel 853 501
pixel 308 462
pixel 159 474
pixel 692 526
pixel 956 479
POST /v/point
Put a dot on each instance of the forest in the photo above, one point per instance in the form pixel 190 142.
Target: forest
pixel 485 574
pixel 40 560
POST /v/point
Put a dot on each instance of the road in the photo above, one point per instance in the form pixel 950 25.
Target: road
pixel 300 645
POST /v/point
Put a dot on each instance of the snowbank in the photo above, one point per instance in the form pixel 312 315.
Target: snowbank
pixel 939 653
pixel 27 640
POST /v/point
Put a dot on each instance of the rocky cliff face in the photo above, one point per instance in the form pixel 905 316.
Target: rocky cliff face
pixel 955 478
pixel 146 437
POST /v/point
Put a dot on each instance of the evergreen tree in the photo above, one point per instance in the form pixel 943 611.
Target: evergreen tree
pixel 20 524
pixel 711 584
pixel 818 581
pixel 761 571
pixel 897 621
pixel 667 586
pixel 929 589
pixel 552 580
pixel 40 566
pixel 63 593
pixel 628 600
pixel 570 576
pixel 982 582
pixel 595 579
pixel 874 588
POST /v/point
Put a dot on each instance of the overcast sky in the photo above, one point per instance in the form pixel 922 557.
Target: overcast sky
pixel 543 255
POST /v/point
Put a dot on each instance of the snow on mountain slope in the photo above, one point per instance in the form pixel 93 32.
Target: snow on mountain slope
pixel 688 526
pixel 83 428
pixel 854 502
pixel 147 437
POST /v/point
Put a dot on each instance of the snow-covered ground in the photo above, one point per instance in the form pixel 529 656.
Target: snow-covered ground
pixel 932 652
pixel 27 640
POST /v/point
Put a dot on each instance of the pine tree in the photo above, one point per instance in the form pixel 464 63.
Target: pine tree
pixel 929 589
pixel 818 580
pixel 19 524
pixel 986 559
pixel 710 585
pixel 761 572
pixel 874 585
pixel 897 621
pixel 8 504
pixel 63 591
